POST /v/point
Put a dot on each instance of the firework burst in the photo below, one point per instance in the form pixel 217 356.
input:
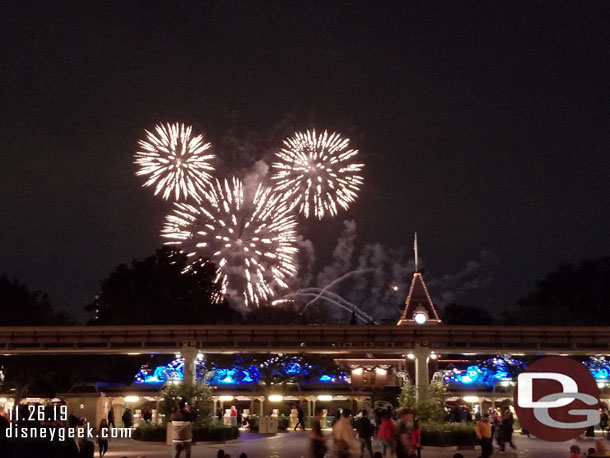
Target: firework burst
pixel 315 173
pixel 252 240
pixel 174 162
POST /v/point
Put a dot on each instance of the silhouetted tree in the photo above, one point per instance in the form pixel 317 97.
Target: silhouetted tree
pixel 466 314
pixel 571 295
pixel 161 290
pixel 21 307
pixel 48 375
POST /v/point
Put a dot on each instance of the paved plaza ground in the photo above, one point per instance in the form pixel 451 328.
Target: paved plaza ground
pixel 295 445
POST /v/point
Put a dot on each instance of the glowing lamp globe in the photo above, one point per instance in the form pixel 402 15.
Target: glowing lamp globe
pixel 420 318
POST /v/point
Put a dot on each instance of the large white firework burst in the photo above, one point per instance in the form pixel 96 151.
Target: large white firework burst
pixel 175 162
pixel 251 239
pixel 315 173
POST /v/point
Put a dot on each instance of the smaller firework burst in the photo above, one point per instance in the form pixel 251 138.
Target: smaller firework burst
pixel 315 173
pixel 175 162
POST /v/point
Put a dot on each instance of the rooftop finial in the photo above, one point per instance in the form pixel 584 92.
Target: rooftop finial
pixel 415 249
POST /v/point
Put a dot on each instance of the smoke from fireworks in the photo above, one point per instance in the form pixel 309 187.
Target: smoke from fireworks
pixel 174 162
pixel 315 173
pixel 252 240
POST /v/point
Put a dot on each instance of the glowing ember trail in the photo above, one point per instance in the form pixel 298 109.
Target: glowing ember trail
pixel 315 173
pixel 251 240
pixel 174 162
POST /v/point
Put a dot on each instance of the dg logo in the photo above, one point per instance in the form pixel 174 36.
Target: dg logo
pixel 557 399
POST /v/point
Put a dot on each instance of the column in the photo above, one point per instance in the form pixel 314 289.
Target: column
pixel 157 417
pixel 422 355
pixel 190 356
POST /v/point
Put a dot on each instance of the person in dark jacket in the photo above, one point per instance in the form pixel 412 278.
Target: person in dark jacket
pixel 416 437
pixel 127 418
pixel 86 449
pixel 365 432
pixel 300 419
pixel 318 440
pixel 111 417
pixel 103 434
pixel 506 428
pixel 147 415
pixel 4 426
pixel 182 430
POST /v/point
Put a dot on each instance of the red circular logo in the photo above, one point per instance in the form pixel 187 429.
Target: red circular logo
pixel 556 399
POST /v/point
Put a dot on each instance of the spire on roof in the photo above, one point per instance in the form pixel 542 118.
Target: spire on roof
pixel 415 250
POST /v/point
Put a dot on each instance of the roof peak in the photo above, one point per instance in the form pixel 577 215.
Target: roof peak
pixel 418 302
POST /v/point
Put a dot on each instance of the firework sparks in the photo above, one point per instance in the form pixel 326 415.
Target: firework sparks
pixel 174 162
pixel 320 295
pixel 253 241
pixel 315 173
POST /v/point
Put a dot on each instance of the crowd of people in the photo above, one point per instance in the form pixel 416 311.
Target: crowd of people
pixel 397 432
pixel 495 424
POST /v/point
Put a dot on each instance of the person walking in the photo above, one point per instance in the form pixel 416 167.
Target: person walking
pixel 483 430
pixel 364 428
pixel 233 416
pixel 127 418
pixel 318 440
pixel 103 435
pixel 343 436
pixel 604 420
pixel 506 429
pixel 300 419
pixel 387 434
pixel 4 426
pixel 416 437
pixel 111 417
pixel 601 449
pixel 404 448
pixel 182 430
pixel 147 415
pixel 86 449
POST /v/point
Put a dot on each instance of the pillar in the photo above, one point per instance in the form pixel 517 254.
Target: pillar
pixel 157 405
pixel 422 355
pixel 190 357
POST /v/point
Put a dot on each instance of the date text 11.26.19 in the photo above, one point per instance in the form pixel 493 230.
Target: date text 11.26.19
pixel 38 413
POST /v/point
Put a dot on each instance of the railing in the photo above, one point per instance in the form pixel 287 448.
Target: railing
pixel 334 339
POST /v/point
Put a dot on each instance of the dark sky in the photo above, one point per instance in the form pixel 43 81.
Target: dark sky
pixel 483 125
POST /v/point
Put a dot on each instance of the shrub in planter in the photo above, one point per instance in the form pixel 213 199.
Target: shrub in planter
pixel 447 434
pixel 213 432
pixel 216 433
pixel 152 433
pixel 200 400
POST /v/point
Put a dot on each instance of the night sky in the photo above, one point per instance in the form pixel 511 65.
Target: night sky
pixel 484 126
